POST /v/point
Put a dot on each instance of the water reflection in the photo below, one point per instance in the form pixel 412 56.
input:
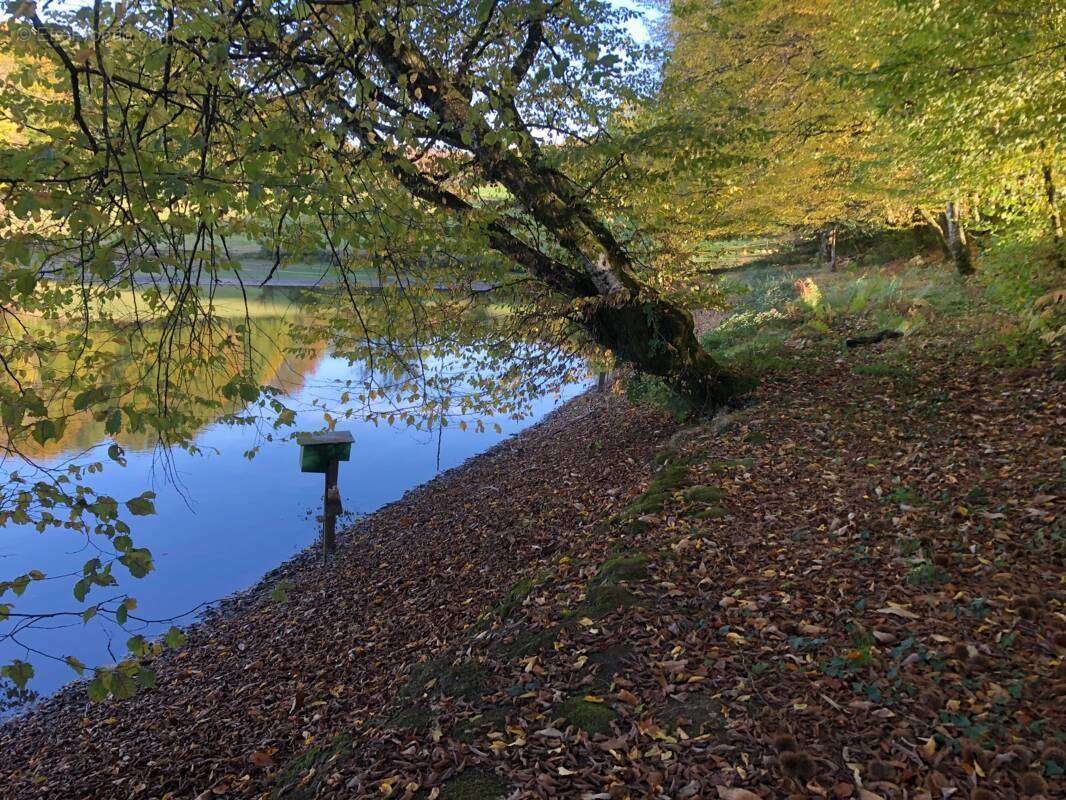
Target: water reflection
pixel 224 519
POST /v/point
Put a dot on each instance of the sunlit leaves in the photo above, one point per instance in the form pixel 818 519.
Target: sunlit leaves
pixel 18 672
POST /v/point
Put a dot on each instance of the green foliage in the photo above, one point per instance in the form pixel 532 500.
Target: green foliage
pixel 653 391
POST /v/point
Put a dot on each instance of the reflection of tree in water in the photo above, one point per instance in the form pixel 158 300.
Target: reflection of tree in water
pixel 196 397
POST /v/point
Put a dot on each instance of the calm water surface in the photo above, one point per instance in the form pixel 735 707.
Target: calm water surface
pixel 223 520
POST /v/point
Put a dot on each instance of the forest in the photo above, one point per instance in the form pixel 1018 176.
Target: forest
pixel 704 361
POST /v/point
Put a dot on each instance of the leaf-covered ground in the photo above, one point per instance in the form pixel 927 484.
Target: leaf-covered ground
pixel 853 587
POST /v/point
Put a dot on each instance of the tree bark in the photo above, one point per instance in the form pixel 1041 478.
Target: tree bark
pixel 1055 217
pixel 933 223
pixel 956 237
pixel 833 250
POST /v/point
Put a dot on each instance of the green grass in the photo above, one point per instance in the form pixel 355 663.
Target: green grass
pixel 780 316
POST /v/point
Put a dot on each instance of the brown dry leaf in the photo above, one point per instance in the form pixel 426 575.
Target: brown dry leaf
pixel 728 793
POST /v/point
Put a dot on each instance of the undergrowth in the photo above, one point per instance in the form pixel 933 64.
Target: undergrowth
pixel 788 318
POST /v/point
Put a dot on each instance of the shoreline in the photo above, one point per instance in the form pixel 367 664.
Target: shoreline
pixel 258 593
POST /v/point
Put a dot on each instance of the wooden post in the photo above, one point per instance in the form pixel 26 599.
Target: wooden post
pixel 329 514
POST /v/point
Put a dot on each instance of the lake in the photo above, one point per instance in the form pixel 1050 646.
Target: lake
pixel 223 520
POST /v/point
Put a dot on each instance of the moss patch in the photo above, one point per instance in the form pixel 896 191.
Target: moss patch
pixel 473 784
pixel 721 466
pixel 879 370
pixel 604 599
pixel 704 494
pixel 493 719
pixel 527 642
pixel 292 782
pixel 697 713
pixel 465 680
pixel 668 481
pixel 591 717
pixel 712 512
pixel 413 719
pixel 608 663
pixel 647 503
pixel 624 567
pixel 515 597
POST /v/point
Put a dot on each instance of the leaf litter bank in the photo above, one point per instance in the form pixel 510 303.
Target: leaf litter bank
pixel 851 588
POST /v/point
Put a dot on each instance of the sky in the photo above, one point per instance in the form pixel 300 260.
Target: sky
pixel 639 26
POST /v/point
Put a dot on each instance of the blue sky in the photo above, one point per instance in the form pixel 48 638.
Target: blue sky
pixel 638 26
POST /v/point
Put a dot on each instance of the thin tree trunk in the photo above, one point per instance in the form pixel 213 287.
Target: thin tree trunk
pixel 1055 217
pixel 933 223
pixel 823 248
pixel 956 236
pixel 833 250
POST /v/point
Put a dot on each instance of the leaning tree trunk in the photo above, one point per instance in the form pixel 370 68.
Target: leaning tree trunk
pixel 631 319
pixel 938 229
pixel 956 236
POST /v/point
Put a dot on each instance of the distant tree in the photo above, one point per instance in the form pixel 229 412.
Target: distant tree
pixel 975 90
pixel 781 144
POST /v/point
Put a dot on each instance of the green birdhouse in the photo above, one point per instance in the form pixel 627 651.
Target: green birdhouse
pixel 319 450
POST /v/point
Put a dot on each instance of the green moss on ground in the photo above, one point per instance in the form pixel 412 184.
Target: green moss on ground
pixel 527 641
pixel 712 512
pixel 669 480
pixel 492 719
pixel 623 567
pixel 704 494
pixel 465 680
pixel 720 466
pixel 879 370
pixel 697 713
pixel 515 597
pixel 592 717
pixel 602 600
pixel 608 663
pixel 289 783
pixel 413 719
pixel 477 783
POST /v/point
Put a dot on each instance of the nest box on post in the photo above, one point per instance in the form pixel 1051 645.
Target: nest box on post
pixel 317 450
pixel 323 452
